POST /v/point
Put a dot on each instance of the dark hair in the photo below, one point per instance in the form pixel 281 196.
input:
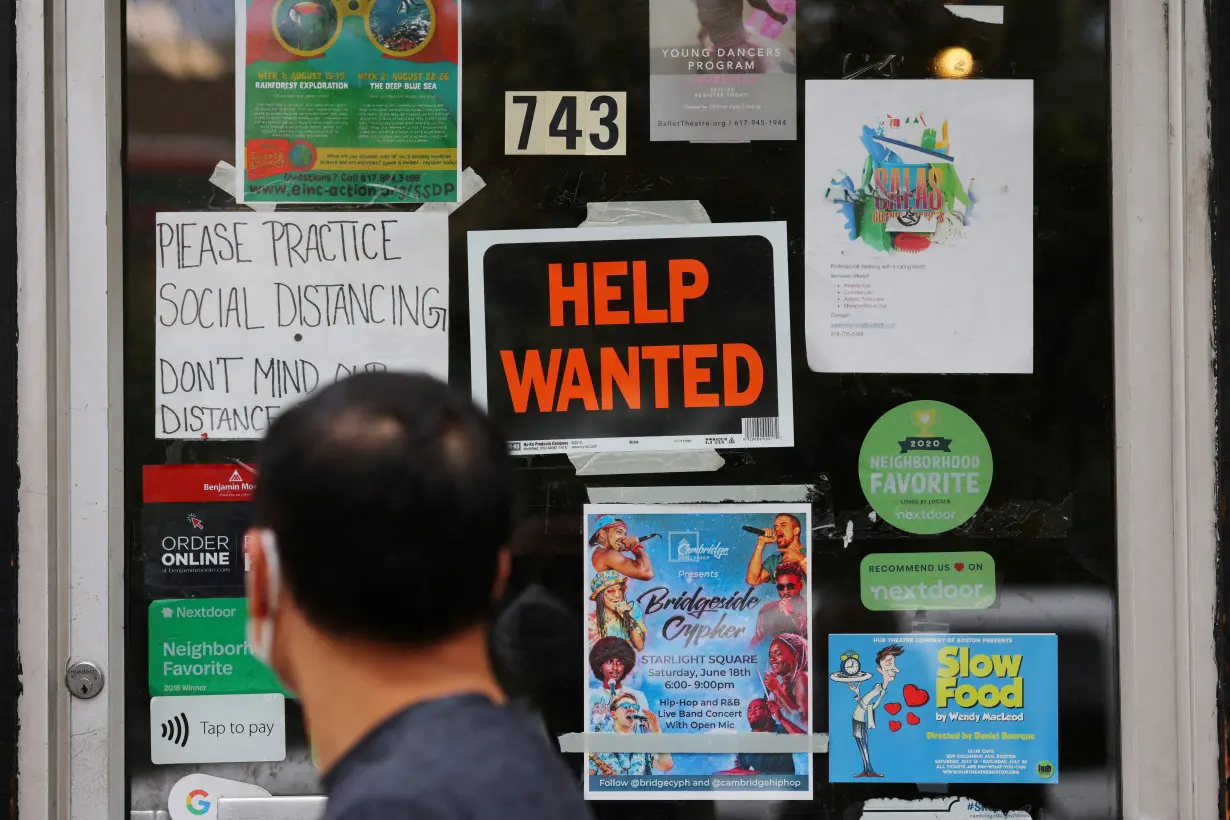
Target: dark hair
pixel 895 650
pixel 789 568
pixel 798 525
pixel 357 480
pixel 611 647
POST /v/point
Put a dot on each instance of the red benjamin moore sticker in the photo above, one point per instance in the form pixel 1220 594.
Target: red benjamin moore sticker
pixel 193 483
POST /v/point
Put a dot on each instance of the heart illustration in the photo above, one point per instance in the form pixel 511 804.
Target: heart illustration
pixel 958 567
pixel 894 725
pixel 892 708
pixel 914 696
pixel 924 418
pixel 912 719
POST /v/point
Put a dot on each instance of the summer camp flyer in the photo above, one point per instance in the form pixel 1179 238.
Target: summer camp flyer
pixel 348 101
pixel 699 623
pixel 943 708
pixel 919 226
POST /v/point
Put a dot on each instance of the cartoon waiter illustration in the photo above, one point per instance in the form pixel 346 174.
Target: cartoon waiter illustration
pixel 851 673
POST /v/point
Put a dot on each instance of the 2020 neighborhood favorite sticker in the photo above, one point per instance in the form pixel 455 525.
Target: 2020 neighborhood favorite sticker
pixel 348 100
pixel 919 226
pixel 943 708
pixel 699 623
pixel 925 467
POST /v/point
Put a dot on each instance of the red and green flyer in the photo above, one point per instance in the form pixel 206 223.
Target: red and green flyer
pixel 348 101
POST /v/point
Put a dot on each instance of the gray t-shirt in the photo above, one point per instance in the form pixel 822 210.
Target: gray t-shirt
pixel 457 758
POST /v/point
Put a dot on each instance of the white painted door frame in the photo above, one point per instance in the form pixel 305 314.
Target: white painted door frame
pixel 1164 409
pixel 70 399
pixel 71 552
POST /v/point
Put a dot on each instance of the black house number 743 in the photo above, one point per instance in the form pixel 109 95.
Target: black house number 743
pixel 565 122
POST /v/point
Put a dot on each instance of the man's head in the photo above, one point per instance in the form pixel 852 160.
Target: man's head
pixel 789 578
pixel 886 661
pixel 625 711
pixel 786 530
pixel 758 715
pixel 371 487
pixel 611 659
pixel 608 533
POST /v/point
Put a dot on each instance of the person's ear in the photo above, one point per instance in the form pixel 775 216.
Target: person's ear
pixel 503 569
pixel 257 577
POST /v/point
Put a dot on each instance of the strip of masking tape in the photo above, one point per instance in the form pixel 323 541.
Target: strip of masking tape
pixel 934 808
pixel 226 177
pixel 982 14
pixel 750 493
pixel 710 743
pixel 653 461
pixel 665 212
pixel 623 214
pixel 471 184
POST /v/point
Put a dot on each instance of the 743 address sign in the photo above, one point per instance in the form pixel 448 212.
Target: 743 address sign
pixel 565 122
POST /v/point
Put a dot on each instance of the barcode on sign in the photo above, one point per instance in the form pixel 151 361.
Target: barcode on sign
pixel 760 429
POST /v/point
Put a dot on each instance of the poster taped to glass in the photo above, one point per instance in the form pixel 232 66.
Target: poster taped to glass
pixel 348 101
pixel 699 623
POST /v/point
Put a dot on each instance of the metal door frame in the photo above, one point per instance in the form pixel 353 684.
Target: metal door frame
pixel 70 397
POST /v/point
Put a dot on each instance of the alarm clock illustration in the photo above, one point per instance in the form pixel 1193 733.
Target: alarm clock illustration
pixel 851 670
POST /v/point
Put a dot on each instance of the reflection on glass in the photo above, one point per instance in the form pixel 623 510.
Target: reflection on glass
pixel 954 63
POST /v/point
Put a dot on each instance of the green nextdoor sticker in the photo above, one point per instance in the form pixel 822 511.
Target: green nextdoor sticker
pixel 925 467
pixel 928 580
pixel 199 646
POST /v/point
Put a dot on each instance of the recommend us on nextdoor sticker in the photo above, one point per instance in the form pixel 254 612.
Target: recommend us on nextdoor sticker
pixel 927 581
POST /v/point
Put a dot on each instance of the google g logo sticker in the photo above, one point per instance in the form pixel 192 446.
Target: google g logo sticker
pixel 196 803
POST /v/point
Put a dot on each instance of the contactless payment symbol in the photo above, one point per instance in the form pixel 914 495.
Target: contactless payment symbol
pixel 925 467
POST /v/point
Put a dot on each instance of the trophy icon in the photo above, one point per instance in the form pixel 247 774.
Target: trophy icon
pixel 924 420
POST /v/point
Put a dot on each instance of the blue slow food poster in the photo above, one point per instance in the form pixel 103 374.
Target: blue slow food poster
pixel 943 708
pixel 698 623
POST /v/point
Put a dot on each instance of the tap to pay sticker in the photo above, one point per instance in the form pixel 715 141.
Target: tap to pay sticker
pixel 218 729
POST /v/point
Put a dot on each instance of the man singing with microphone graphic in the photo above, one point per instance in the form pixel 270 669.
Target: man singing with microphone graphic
pixel 608 543
pixel 786 533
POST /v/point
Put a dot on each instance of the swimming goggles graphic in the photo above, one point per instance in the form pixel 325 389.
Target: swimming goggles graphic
pixel 309 28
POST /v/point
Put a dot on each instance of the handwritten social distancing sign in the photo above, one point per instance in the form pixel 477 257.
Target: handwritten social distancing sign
pixel 619 339
pixel 255 311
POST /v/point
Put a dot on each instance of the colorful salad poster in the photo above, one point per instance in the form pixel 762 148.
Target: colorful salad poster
pixel 699 622
pixel 348 101
pixel 919 226
pixel 943 708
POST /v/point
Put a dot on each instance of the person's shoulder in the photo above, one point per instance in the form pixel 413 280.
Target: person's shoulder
pixel 486 759
pixel 384 807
